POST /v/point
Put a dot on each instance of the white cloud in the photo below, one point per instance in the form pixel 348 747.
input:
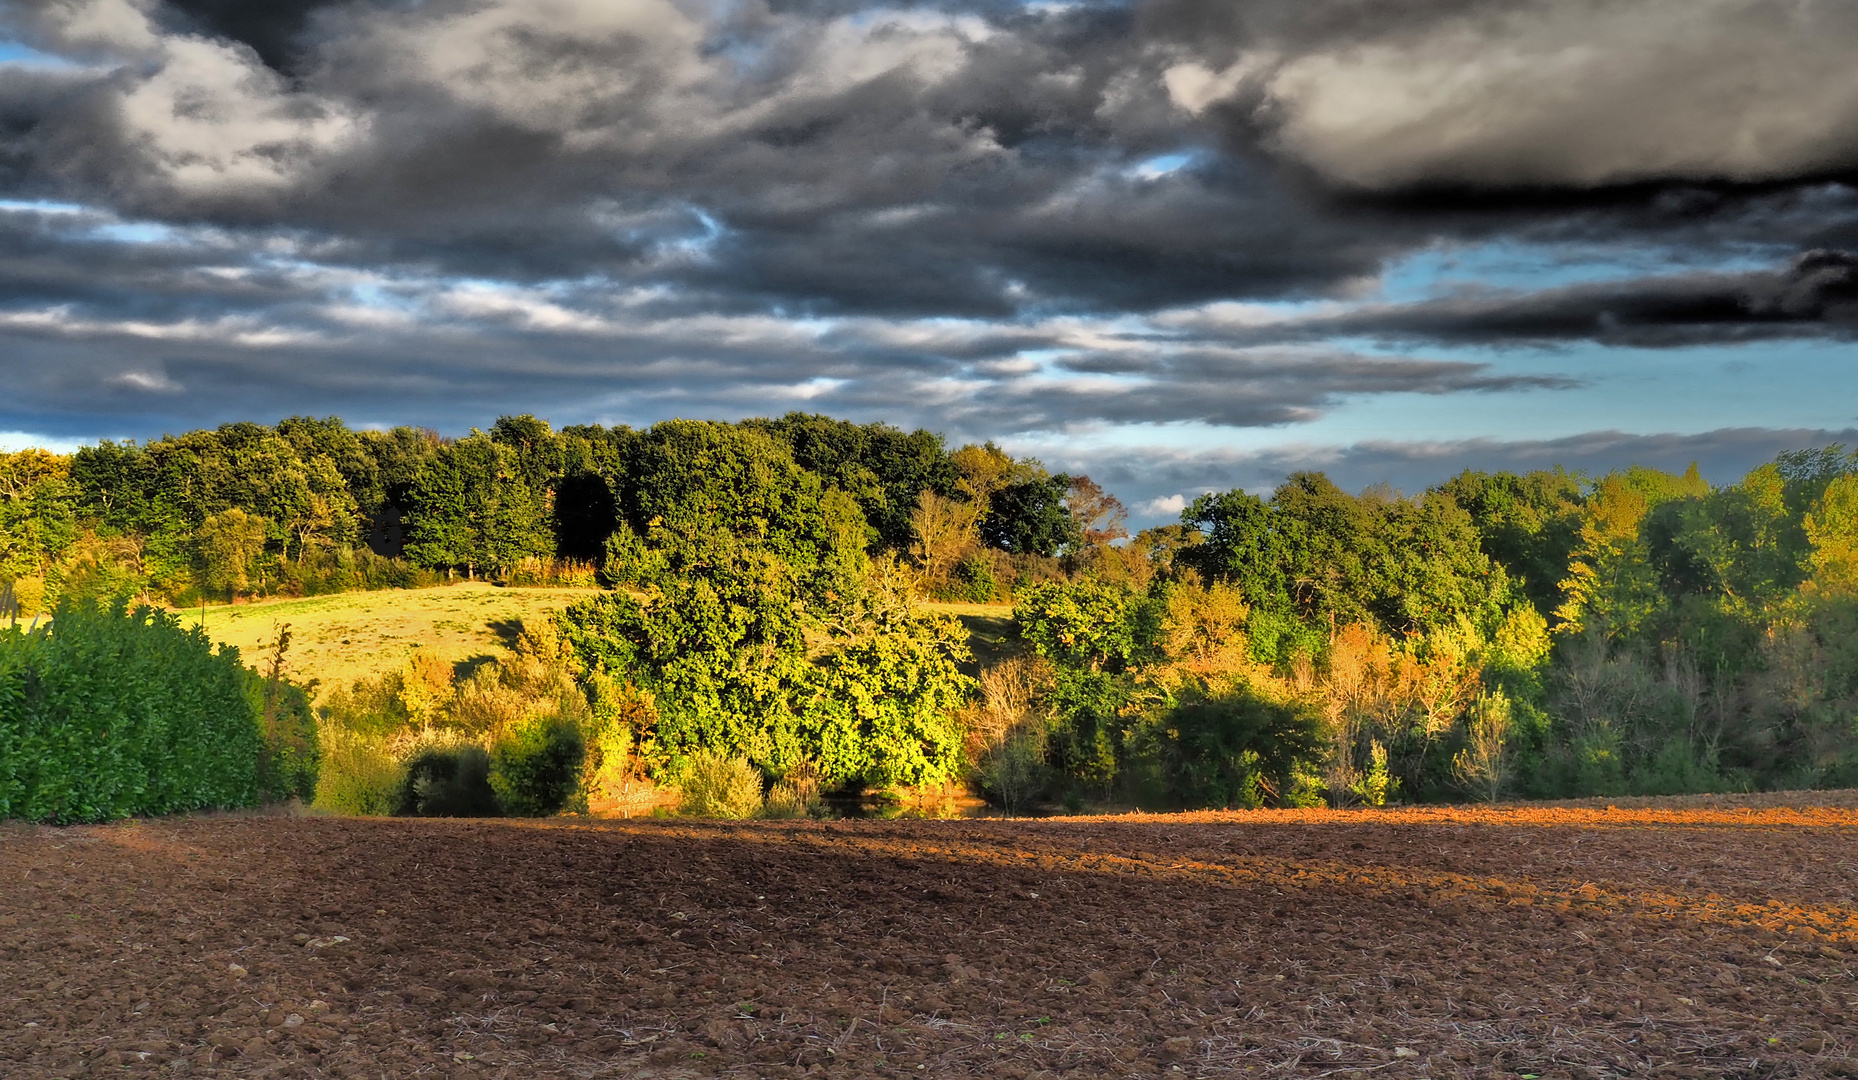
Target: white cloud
pixel 1194 87
pixel 154 382
pixel 1553 92
pixel 196 115
pixel 1164 506
pixel 12 442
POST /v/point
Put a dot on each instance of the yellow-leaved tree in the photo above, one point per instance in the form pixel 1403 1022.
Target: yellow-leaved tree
pixel 1832 529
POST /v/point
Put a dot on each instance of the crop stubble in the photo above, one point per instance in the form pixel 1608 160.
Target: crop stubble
pixel 1554 942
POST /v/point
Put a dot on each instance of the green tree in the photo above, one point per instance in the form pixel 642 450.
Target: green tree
pixel 474 505
pixel 742 661
pixel 884 705
pixel 701 497
pixel 1087 624
pixel 230 543
pixel 1029 517
pixel 1234 746
pixel 1612 583
pixel 883 468
pixel 1325 558
pixel 37 512
pixel 1526 523
pixel 1831 528
pixel 1242 543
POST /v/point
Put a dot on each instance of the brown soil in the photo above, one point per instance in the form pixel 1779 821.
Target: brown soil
pixel 1547 942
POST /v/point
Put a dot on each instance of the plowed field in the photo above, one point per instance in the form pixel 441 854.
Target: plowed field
pixel 1565 942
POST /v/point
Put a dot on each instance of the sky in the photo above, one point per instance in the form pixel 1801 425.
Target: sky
pixel 1181 245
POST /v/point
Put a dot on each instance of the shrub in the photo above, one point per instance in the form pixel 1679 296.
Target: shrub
pixel 1084 624
pixel 106 713
pixel 972 580
pixel 1375 786
pixel 366 707
pixel 729 665
pixel 719 785
pixel 1013 774
pixel 535 765
pixel 358 774
pixel 617 715
pixel 447 781
pixel 796 795
pixel 1482 767
pixel 534 572
pixel 317 572
pixel 1235 747
pixel 292 757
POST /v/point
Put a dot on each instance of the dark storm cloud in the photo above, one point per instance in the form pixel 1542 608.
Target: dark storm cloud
pixel 975 160
pixel 1815 296
pixel 978 215
pixel 903 161
pixel 273 29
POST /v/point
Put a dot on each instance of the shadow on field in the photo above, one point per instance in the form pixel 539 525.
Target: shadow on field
pixel 1462 943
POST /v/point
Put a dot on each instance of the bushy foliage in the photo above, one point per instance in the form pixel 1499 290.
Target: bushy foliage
pixel 310 506
pixel 473 504
pixel 1326 558
pixel 360 772
pixel 106 712
pixel 882 467
pixel 535 765
pixel 703 497
pixel 1234 746
pixel 524 716
pixel 1085 624
pixel 1030 517
pixel 796 795
pixel 1501 634
pixel 972 579
pixel 720 785
pixel 860 686
pixel 1013 773
pixel 291 757
pixel 448 781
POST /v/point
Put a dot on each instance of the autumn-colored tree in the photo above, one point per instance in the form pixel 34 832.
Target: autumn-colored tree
pixel 1832 530
pixel 1099 515
pixel 946 530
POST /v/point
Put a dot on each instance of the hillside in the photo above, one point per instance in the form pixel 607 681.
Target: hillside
pixel 346 636
pixel 338 638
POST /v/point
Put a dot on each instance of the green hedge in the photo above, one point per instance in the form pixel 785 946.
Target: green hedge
pixel 106 712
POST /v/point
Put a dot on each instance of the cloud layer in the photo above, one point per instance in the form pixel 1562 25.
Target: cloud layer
pixel 992 218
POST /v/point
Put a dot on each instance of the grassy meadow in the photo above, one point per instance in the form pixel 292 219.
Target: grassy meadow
pixel 337 639
pixel 340 638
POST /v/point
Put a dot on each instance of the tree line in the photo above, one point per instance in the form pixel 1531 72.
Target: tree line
pixel 1541 635
pixel 1500 634
pixel 313 506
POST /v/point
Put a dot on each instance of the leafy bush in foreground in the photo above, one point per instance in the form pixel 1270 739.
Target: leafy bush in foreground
pixel 106 713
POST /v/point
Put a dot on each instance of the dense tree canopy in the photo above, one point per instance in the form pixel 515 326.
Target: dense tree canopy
pixel 341 508
pixel 1537 633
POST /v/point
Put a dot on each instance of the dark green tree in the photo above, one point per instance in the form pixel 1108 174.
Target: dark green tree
pixel 1030 517
pixel 1527 523
pixel 472 506
pixel 701 496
